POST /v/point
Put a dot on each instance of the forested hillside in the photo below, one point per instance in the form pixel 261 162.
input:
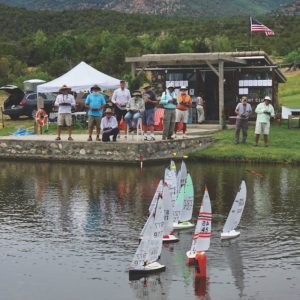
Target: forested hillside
pixel 52 42
pixel 162 7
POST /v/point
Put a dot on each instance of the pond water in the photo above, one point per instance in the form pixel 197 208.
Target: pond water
pixel 69 231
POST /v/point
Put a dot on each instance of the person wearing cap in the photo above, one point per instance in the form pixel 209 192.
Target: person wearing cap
pixel 109 126
pixel 264 112
pixel 243 111
pixel 64 101
pixel 135 108
pixel 120 98
pixel 182 109
pixel 95 103
pixel 169 101
pixel 148 114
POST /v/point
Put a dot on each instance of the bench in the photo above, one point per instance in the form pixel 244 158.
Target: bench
pixel 294 115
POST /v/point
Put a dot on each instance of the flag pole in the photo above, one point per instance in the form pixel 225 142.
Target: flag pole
pixel 250 34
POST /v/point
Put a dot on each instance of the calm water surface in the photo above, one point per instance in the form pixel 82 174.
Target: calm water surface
pixel 69 232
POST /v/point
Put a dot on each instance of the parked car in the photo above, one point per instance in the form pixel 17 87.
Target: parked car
pixel 20 104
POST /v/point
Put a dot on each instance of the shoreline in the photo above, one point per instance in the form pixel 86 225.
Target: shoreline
pixel 42 148
pixel 284 148
pixel 243 160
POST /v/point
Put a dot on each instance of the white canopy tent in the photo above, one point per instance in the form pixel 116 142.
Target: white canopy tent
pixel 81 77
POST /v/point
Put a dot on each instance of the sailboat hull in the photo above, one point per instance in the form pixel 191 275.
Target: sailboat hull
pixel 152 268
pixel 183 225
pixel 170 238
pixel 230 235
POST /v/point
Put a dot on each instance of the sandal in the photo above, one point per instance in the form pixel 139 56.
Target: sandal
pixel 70 138
pixel 58 138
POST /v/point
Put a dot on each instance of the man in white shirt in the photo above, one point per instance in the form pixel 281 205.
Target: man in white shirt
pixel 120 98
pixel 264 112
pixel 65 101
pixel 109 126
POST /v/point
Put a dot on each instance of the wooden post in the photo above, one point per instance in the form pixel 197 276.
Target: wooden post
pixel 133 69
pixel 221 91
pixel 2 117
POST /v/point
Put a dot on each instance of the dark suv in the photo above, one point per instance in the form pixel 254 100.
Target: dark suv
pixel 20 104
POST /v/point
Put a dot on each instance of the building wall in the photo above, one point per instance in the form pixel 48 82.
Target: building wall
pixel 205 84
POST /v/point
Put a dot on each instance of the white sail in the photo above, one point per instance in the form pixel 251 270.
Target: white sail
pixel 178 205
pixel 172 165
pixel 153 205
pixel 201 238
pixel 237 208
pixel 141 255
pixel 170 180
pixel 158 191
pixel 150 246
pixel 168 210
pixel 155 243
pixel 188 204
pixel 182 175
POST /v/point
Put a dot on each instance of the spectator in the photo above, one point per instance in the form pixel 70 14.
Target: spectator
pixel 243 111
pixel 95 103
pixel 109 126
pixel 135 107
pixel 182 109
pixel 264 112
pixel 200 110
pixel 65 101
pixel 169 102
pixel 148 114
pixel 120 98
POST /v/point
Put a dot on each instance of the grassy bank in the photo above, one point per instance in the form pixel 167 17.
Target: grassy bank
pixel 284 147
pixel 289 93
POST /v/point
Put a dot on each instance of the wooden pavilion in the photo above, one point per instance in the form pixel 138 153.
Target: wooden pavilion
pixel 221 78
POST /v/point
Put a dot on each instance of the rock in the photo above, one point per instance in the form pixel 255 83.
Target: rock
pixel 82 152
pixel 53 145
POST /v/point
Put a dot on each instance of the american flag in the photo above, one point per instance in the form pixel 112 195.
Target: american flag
pixel 259 27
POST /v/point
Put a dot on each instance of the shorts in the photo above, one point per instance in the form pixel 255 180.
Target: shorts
pixel 262 128
pixel 182 115
pixel 94 121
pixel 63 119
pixel 148 117
pixel 120 113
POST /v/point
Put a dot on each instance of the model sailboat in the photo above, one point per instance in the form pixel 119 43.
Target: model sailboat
pixel 149 249
pixel 186 205
pixel 235 214
pixel 201 238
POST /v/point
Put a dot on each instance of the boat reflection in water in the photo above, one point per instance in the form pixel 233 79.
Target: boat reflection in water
pixel 148 288
pixel 201 287
pixel 234 258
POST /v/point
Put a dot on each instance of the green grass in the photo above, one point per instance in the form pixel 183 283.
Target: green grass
pixel 289 93
pixel 284 147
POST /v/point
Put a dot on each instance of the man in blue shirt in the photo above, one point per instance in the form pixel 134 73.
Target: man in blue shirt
pixel 95 103
pixel 169 102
